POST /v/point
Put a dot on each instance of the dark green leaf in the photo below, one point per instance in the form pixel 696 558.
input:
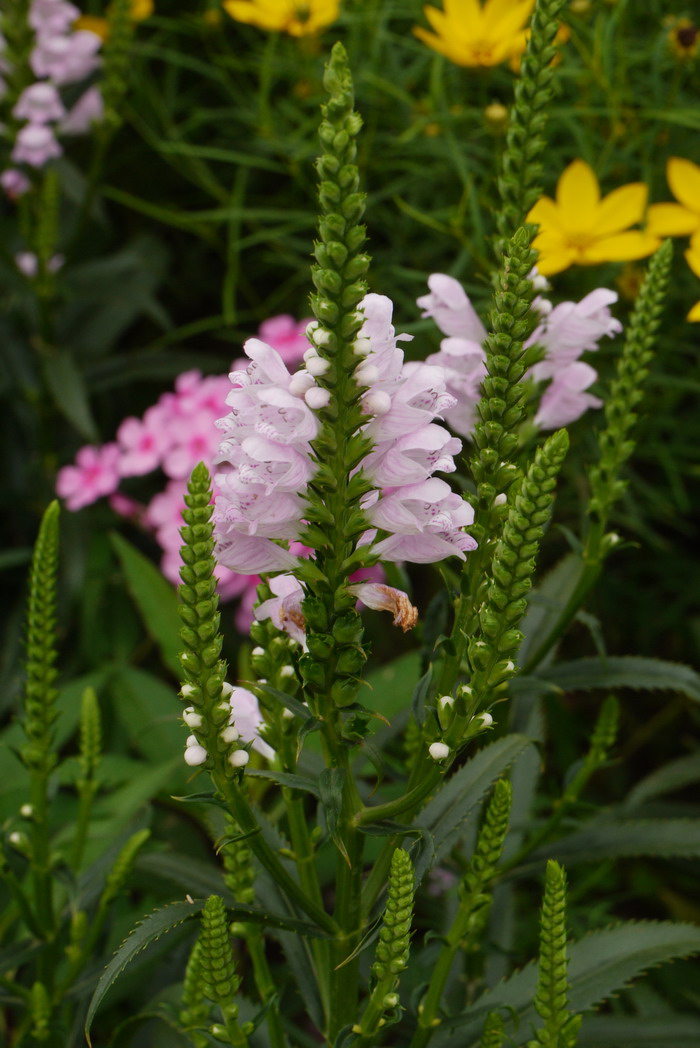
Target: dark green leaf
pixel 668 838
pixel 69 392
pixel 330 784
pixel 626 671
pixel 294 782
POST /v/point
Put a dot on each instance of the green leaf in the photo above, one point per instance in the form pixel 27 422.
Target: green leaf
pixel 626 671
pixel 150 712
pixel 546 603
pixel 155 599
pixel 678 838
pixel 672 776
pixel 443 818
pixel 386 690
pixel 599 965
pixel 68 389
pixel 642 1031
pixel 148 931
pixel 330 785
pixel 288 701
pixel 193 876
pixel 294 782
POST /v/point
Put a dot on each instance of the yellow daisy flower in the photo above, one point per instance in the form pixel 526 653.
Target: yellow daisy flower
pixel 581 229
pixel 682 219
pixel 140 9
pixel 296 17
pixel 692 257
pixel 471 35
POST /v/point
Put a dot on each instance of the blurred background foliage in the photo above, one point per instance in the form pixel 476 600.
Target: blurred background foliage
pixel 199 222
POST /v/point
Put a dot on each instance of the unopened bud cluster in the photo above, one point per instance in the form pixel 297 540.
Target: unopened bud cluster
pixel 391 955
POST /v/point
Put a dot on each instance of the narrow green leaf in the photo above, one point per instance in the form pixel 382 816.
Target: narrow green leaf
pixel 69 392
pixel 677 838
pixel 599 965
pixel 672 776
pixel 155 599
pixel 444 817
pixel 294 782
pixel 330 784
pixel 626 671
pixel 642 1031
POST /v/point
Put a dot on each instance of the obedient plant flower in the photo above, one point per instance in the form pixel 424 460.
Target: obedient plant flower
pixel 692 257
pixel 681 219
pixel 565 331
pixel 472 34
pixel 583 229
pixel 296 17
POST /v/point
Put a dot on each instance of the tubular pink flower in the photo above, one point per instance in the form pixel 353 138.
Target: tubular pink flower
pixel 464 364
pixel 39 103
pixel 35 145
pixel 425 523
pixel 449 305
pixel 87 111
pixel 247 719
pixel 284 608
pixel 564 399
pixel 412 458
pixel 573 328
pixel 52 16
pixel 65 59
pixel 15 183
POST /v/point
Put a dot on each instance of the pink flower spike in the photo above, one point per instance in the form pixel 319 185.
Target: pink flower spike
pixel 35 145
pixel 143 442
pixel 385 598
pixel 284 608
pixel 564 399
pixel 247 719
pixel 94 474
pixel 52 16
pixel 449 305
pixel 65 59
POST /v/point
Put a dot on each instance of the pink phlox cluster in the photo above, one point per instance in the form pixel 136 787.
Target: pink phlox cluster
pixel 565 331
pixel 60 56
pixel 173 435
pixel 423 517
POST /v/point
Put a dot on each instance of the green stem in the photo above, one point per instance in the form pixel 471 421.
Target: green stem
pixel 266 987
pixel 87 794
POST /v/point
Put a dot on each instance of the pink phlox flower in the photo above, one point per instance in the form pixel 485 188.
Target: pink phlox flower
pixel 564 400
pixel 127 507
pixel 412 458
pixel 286 335
pixel 52 16
pixel 143 442
pixel 193 440
pixel 39 103
pixel 247 719
pixel 15 183
pixel 284 608
pixel 65 59
pixel 450 307
pixel 94 474
pixel 35 144
pixel 87 111
pixel 573 328
pixel 424 521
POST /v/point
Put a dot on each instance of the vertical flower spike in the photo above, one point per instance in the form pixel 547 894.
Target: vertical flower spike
pixel 391 955
pixel 494 1031
pixel 525 142
pixel 560 1026
pixel 195 1009
pixel 493 649
pixel 218 974
pixel 116 61
pixel 627 388
pixel 474 906
pixel 336 521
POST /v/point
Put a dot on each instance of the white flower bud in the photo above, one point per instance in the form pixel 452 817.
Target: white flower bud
pixel 187 691
pixel 376 402
pixel 317 366
pixel 195 755
pixel 320 336
pixel 258 651
pixel 310 354
pixel 287 671
pixel 300 382
pixel 287 714
pixel 239 758
pixel 311 328
pixel 27 811
pixel 438 751
pixel 226 690
pixel 230 734
pixel 500 500
pixel 366 374
pixel 191 718
pixel 16 838
pixel 361 347
pixel 317 398
pixel 465 691
pixel 445 700
pixel 192 740
pixel 485 719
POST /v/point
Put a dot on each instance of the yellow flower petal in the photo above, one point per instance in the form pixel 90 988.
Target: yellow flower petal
pixel 546 214
pixel 93 24
pixel 620 209
pixel 466 13
pixel 692 257
pixel 671 220
pixel 684 179
pixel 577 196
pixel 694 313
pixel 619 248
pixel 554 260
pixel 141 9
pixel 437 43
pixel 506 16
